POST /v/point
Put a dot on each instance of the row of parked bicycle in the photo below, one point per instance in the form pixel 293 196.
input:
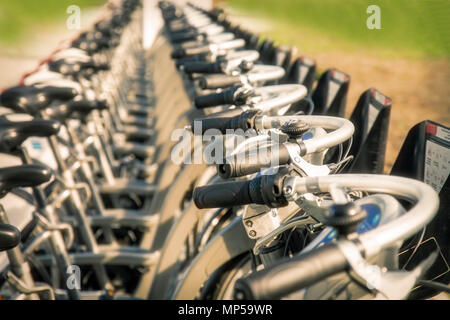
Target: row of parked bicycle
pixel 214 165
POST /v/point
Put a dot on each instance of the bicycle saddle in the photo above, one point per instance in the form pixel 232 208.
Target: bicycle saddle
pixel 64 111
pixel 59 93
pixel 29 175
pixel 65 66
pixel 24 99
pixel 9 237
pixel 92 46
pixel 31 99
pixel 13 134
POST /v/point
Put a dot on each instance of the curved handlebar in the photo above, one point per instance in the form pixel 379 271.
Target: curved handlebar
pixel 305 269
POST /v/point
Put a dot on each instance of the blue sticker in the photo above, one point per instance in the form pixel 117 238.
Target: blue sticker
pixel 307 136
pixel 36 145
pixel 371 222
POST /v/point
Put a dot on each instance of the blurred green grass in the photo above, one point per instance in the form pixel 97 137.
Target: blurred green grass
pixel 412 28
pixel 19 17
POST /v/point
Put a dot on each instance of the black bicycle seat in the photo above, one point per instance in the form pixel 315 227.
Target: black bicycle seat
pixel 65 67
pixel 9 237
pixel 58 93
pixel 31 99
pixel 67 110
pixel 92 45
pixel 28 175
pixel 85 106
pixel 24 99
pixel 75 67
pixel 13 134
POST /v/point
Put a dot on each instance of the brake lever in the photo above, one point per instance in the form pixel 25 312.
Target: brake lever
pixel 304 166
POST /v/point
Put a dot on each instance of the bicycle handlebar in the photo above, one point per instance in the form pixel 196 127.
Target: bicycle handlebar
pixel 290 275
pixel 259 190
pixel 226 194
pixel 226 45
pixel 342 129
pixel 229 121
pixel 215 99
pixel 257 74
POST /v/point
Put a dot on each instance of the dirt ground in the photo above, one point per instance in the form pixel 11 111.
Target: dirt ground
pixel 420 89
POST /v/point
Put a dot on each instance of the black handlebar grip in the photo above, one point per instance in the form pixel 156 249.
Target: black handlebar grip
pixel 215 99
pixel 291 274
pixel 219 123
pixel 177 53
pixel 182 61
pixel 217 81
pixel 244 121
pixel 228 194
pixel 202 67
pixel 182 33
pixel 180 38
pixel 181 30
pixel 245 163
pixel 97 66
pixel 264 189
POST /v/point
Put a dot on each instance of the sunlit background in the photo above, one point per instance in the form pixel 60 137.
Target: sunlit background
pixel 407 59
